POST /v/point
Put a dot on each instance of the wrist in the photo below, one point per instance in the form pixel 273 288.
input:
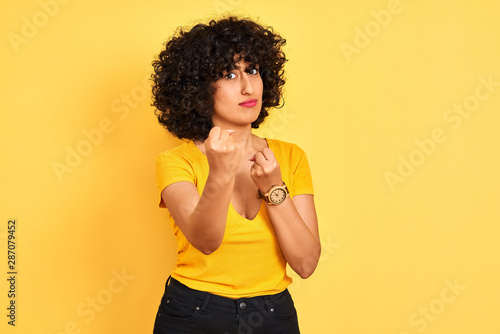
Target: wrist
pixel 266 188
pixel 275 195
pixel 221 178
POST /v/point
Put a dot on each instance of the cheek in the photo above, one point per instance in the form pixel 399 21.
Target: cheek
pixel 223 93
pixel 260 85
pixel 219 97
pixel 222 100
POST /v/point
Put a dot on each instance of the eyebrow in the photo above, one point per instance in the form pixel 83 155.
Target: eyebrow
pixel 233 67
pixel 249 65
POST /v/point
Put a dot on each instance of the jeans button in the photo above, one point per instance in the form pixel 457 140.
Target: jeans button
pixel 243 305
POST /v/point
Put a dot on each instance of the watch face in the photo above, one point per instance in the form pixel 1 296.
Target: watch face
pixel 277 196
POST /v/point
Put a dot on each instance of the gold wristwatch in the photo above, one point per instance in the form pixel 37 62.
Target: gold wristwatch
pixel 276 195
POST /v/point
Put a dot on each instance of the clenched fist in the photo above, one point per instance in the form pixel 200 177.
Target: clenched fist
pixel 265 171
pixel 223 153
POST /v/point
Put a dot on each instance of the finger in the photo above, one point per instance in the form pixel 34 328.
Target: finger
pixel 260 159
pixel 225 137
pixel 215 132
pixel 256 170
pixel 233 143
pixel 268 154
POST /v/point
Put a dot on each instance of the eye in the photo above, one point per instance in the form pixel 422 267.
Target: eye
pixel 230 76
pixel 253 71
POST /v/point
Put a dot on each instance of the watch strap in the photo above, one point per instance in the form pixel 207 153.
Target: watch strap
pixel 266 196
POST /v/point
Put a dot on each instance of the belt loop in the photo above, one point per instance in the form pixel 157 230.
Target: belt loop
pixel 168 281
pixel 205 302
pixel 269 305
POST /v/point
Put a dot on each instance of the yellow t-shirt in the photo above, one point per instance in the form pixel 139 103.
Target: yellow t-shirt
pixel 249 262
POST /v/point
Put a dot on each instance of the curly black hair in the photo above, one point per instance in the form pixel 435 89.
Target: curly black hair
pixel 192 61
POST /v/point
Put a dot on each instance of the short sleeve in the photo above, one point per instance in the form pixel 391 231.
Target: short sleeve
pixel 172 167
pixel 302 180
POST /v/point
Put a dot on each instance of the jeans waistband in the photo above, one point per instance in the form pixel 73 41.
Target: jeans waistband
pixel 174 287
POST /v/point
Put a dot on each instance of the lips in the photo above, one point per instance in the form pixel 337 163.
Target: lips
pixel 249 103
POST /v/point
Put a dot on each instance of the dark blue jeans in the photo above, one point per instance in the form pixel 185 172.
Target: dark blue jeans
pixel 184 310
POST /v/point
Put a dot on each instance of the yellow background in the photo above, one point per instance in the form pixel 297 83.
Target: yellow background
pixel 390 250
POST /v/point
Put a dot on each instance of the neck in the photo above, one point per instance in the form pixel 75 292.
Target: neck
pixel 244 138
pixel 242 135
pixel 248 142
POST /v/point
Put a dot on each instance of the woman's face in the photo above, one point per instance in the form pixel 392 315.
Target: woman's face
pixel 238 97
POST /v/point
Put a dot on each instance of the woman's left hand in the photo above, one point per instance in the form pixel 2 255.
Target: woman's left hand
pixel 265 171
pixel 294 221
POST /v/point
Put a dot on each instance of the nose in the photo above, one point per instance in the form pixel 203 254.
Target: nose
pixel 246 85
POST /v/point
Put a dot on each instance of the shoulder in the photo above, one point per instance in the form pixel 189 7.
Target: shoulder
pixel 289 155
pixel 294 166
pixel 186 151
pixel 284 148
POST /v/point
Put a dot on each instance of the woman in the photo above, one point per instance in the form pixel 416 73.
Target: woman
pixel 241 206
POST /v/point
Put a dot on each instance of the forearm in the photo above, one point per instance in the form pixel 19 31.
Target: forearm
pixel 300 245
pixel 207 223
